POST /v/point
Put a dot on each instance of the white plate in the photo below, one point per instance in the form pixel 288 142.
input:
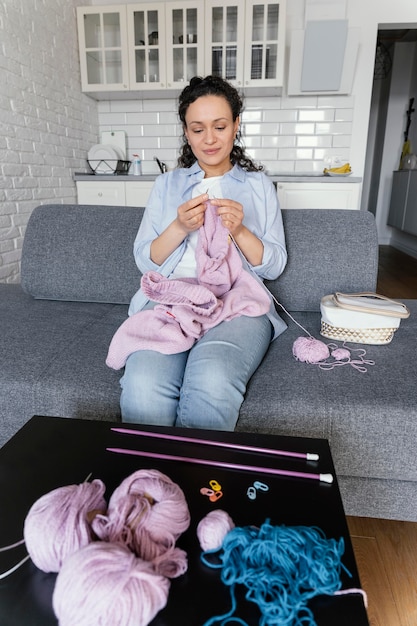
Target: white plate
pixel 104 158
pixel 336 174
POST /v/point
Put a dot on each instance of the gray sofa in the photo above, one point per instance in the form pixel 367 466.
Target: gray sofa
pixel 78 275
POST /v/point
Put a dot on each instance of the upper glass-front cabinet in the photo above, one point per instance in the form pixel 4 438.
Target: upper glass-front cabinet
pixel 185 33
pixel 159 46
pixel 225 40
pixel 264 43
pixel 147 41
pixel 102 39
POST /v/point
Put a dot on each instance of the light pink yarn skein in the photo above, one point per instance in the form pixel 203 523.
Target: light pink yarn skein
pixel 58 523
pixel 105 584
pixel 213 528
pixel 310 350
pixel 147 513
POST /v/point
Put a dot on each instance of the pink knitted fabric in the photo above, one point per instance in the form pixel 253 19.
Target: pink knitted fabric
pixel 188 308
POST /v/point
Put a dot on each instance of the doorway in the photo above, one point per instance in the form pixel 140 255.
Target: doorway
pixel 395 81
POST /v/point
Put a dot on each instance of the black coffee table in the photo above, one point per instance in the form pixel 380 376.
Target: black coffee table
pixel 50 452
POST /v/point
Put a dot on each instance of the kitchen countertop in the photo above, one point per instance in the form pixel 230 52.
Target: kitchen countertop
pixel 276 178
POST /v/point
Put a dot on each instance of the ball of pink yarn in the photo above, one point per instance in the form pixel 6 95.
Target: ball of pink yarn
pixel 310 350
pixel 147 513
pixel 213 528
pixel 106 584
pixel 58 523
pixel 341 353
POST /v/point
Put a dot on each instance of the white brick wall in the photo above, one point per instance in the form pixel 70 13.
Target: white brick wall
pixel 296 134
pixel 46 124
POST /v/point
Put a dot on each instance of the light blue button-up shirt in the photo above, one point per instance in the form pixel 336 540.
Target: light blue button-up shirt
pixel 262 216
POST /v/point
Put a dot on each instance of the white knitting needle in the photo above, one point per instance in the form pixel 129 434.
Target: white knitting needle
pixel 309 456
pixel 326 478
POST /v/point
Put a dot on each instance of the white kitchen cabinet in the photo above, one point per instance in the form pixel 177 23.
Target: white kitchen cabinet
pixel 185 37
pixel 264 43
pixel 137 192
pixel 101 192
pixel 225 36
pixel 146 40
pixel 114 193
pixel 155 48
pixel 319 195
pixel 245 42
pixel 102 40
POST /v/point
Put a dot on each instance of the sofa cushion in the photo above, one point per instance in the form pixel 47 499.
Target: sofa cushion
pixel 369 418
pixel 85 253
pixel 81 253
pixel 328 250
pixel 52 359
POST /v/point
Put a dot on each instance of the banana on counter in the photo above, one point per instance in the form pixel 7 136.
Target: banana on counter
pixel 343 169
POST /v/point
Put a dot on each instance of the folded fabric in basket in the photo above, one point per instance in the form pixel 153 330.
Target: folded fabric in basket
pixel 366 317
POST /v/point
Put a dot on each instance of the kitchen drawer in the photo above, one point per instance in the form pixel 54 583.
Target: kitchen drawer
pixel 101 192
pixel 137 193
pixel 319 195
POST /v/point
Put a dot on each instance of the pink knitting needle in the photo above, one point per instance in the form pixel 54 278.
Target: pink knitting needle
pixel 309 456
pixel 326 478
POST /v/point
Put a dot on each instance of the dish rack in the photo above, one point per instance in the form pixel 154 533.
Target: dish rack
pixel 108 166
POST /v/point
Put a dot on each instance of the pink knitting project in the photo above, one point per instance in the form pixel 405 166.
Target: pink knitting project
pixel 188 308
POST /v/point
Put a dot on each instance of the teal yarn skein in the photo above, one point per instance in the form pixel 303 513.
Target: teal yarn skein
pixel 281 567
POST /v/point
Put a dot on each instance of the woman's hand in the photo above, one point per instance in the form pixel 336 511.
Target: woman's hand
pixel 190 215
pixel 231 214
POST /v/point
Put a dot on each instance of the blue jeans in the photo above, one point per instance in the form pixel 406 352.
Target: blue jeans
pixel 201 388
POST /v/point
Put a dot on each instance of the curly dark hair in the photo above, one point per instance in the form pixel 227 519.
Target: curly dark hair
pixel 213 86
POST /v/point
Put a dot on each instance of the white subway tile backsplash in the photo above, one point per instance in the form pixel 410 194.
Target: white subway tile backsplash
pixel 314 141
pixel 280 115
pixel 297 103
pixel 319 115
pixel 285 133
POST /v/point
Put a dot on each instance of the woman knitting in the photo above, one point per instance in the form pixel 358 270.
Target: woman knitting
pixel 212 230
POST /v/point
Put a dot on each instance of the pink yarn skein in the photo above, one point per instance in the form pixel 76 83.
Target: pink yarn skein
pixel 213 528
pixel 106 584
pixel 147 513
pixel 310 350
pixel 58 523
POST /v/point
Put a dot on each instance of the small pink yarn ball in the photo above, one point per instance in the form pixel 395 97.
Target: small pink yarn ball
pixel 106 584
pixel 58 523
pixel 310 350
pixel 341 353
pixel 147 512
pixel 213 528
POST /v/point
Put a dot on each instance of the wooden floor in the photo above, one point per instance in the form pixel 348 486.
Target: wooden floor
pixel 386 550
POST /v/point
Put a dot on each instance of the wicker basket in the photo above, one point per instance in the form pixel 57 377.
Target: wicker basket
pixel 361 317
pixel 376 336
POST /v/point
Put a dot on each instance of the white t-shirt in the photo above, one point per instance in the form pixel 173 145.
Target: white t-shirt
pixel 187 267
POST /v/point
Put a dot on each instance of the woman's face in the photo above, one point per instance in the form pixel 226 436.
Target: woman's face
pixel 211 131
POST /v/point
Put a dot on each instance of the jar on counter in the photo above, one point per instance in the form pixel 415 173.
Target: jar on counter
pixel 136 166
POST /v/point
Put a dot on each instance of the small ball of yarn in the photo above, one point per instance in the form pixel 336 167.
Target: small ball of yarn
pixel 213 528
pixel 341 353
pixel 106 584
pixel 147 512
pixel 58 523
pixel 310 350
